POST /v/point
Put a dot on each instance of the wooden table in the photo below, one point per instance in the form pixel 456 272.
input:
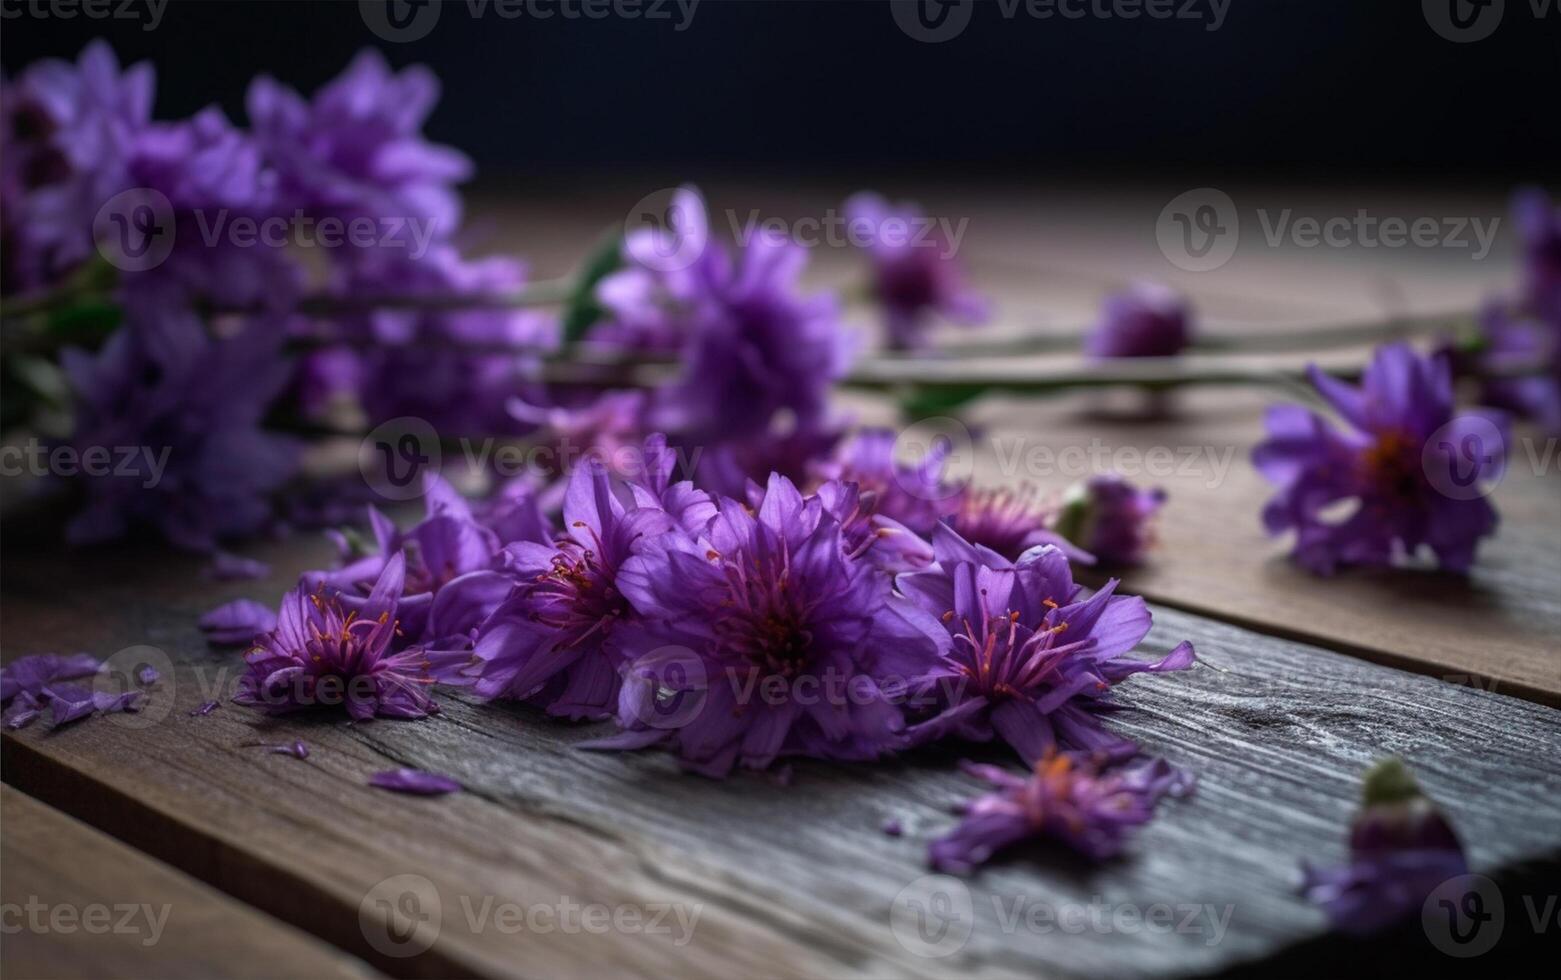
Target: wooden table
pixel 557 862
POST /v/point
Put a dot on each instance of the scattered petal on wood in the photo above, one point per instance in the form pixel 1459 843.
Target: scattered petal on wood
pixel 414 781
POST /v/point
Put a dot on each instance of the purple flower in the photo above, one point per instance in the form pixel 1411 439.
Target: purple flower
pixel 68 132
pixel 1010 522
pixel 452 569
pixel 1067 798
pixel 413 364
pixel 321 655
pixel 557 639
pixel 1144 320
pixel 916 495
pixel 1401 850
pixel 1539 223
pixel 414 781
pixel 188 408
pixel 237 622
pixel 356 149
pixel 1512 340
pixel 1110 518
pixel 915 276
pixel 1033 662
pixel 1411 467
pixel 759 639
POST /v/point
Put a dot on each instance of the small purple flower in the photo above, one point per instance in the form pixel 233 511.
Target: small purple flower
pixel 1110 518
pixel 760 639
pixel 1539 223
pixel 1411 466
pixel 1513 340
pixel 1032 662
pixel 237 622
pixel 1144 320
pixel 322 655
pixel 1401 849
pixel 556 640
pixel 414 781
pixel 1067 798
pixel 915 275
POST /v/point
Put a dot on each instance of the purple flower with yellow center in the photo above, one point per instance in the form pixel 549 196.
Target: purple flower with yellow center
pixel 914 274
pixel 1110 518
pixel 1144 320
pixel 324 655
pixel 1412 468
pixel 760 639
pixel 1401 850
pixel 556 640
pixel 1067 798
pixel 1033 660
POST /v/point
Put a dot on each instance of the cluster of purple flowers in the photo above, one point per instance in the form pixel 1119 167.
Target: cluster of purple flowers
pixel 731 632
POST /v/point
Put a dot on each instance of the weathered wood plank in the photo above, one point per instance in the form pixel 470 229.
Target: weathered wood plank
pixel 795 880
pixel 81 904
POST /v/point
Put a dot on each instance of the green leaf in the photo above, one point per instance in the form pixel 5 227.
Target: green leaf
pixel 925 403
pixel 582 310
pixel 87 321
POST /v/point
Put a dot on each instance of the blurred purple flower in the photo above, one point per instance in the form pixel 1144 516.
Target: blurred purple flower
pixel 1144 320
pixel 1010 521
pixel 1401 849
pixel 556 640
pixel 1539 223
pixel 183 411
pixel 1110 518
pixel 915 276
pixel 68 131
pixel 1066 797
pixel 1032 662
pixel 1387 462
pixel 760 639
pixel 914 494
pixel 321 655
pixel 356 148
pixel 1512 340
pixel 414 781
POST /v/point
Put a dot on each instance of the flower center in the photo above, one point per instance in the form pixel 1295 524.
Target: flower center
pixel 1392 465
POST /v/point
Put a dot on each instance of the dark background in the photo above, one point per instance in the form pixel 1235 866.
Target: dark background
pixel 1285 89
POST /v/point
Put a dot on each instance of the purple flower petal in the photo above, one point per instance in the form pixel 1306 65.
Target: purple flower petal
pixel 147 674
pixel 206 708
pixel 238 622
pixel 414 781
pixel 225 567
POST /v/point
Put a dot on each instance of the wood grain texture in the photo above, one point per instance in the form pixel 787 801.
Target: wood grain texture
pixel 80 904
pixel 795 880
